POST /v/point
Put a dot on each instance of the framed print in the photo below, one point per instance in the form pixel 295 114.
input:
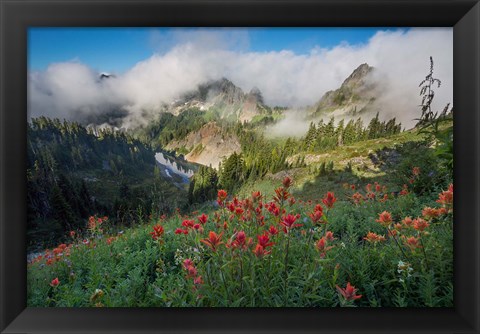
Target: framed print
pixel 249 166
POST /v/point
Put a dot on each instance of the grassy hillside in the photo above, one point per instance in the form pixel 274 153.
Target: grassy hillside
pixel 359 163
pixel 373 229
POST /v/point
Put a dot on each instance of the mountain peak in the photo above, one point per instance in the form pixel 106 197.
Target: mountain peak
pixel 105 75
pixel 358 75
pixel 356 94
pixel 255 95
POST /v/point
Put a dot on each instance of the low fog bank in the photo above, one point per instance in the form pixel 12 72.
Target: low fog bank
pixel 73 91
pixel 294 124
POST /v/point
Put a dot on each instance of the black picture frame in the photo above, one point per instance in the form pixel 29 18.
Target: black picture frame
pixel 17 16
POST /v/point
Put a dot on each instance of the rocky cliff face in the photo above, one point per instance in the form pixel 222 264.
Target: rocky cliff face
pixel 208 146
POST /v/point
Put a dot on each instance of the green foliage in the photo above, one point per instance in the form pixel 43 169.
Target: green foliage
pixel 432 176
pixel 232 172
pixel 133 270
pixel 203 186
pixel 65 163
pixel 168 127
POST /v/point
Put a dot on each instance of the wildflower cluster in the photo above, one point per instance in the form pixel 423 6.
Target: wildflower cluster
pixel 192 225
pixel 94 224
pixel 57 254
pixel 238 223
pixel 247 249
pixel 192 273
pixel 410 233
pixel 373 193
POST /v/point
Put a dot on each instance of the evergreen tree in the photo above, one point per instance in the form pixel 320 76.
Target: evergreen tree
pixel 349 134
pixel 231 176
pixel 339 132
pixel 374 128
pixel 310 137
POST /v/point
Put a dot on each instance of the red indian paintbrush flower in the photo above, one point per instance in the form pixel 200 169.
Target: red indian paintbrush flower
pixel 188 223
pixel 238 211
pixel 231 207
pixel 248 204
pixel 281 195
pixel 92 223
pixel 273 230
pixel 329 199
pixel 384 198
pixel 222 195
pixel 213 240
pixel 404 190
pixel 384 218
pixel 349 293
pixel 260 252
pixel 420 224
pixel 398 226
pixel 446 197
pixel 429 213
pixel 416 171
pixel 442 211
pixel 203 219
pixel 55 282
pixel 256 195
pixel 407 221
pixel 241 238
pixel 288 222
pixel 264 240
pixel 329 236
pixel 241 241
pixel 187 263
pixel 322 246
pixel 179 231
pixel 287 182
pixel 198 280
pixel 357 198
pixel 374 238
pixel 412 242
pixel 317 215
pixel 157 232
pixel 191 271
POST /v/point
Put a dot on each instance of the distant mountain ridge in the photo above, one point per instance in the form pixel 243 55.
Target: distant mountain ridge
pixel 223 96
pixel 354 98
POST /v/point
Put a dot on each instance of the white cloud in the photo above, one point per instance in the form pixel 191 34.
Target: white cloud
pixel 293 124
pixel 285 78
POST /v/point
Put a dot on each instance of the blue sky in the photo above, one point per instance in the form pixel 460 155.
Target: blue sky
pixel 118 49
